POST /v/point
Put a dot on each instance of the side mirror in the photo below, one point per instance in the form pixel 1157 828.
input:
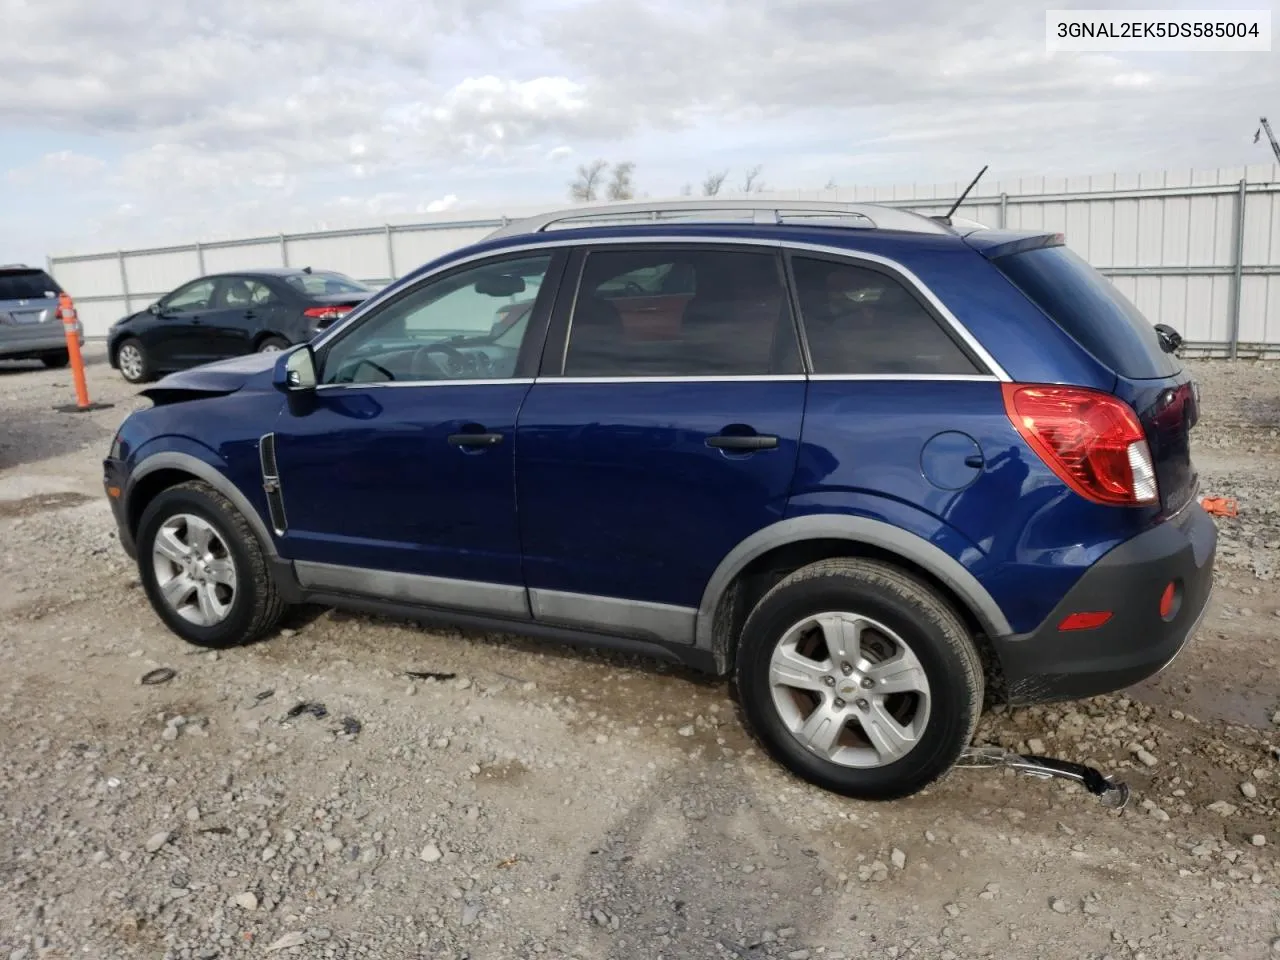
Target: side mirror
pixel 295 376
pixel 154 309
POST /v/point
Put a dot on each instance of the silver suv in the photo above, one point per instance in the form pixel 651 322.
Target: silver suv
pixel 29 324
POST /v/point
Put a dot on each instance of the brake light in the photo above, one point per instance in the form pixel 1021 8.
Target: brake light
pixel 1091 440
pixel 327 314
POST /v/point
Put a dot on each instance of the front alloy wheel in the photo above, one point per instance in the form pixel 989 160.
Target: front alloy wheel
pixel 204 570
pixel 194 570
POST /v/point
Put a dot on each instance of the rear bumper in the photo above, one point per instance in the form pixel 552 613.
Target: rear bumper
pixel 1136 643
pixel 32 342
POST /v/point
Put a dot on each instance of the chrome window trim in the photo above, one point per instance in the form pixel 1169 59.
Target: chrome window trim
pixel 425 383
pixel 752 378
pixel 936 377
pixel 541 242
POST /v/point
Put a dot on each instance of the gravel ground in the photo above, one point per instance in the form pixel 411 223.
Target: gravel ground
pixel 545 802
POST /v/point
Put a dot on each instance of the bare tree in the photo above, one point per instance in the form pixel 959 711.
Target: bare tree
pixel 751 181
pixel 831 184
pixel 620 186
pixel 713 182
pixel 587 182
pixel 686 190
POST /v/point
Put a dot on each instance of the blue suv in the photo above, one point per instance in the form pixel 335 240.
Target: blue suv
pixel 875 467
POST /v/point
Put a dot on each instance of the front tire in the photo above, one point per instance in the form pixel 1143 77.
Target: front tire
pixel 204 570
pixel 133 362
pixel 56 360
pixel 860 678
pixel 273 345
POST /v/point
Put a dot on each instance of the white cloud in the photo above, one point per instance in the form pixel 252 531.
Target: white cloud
pixel 60 165
pixel 441 205
pixel 215 118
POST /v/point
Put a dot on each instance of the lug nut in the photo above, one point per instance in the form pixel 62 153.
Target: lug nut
pixel 829 681
pixel 839 704
pixel 847 668
pixel 867 683
pixel 863 705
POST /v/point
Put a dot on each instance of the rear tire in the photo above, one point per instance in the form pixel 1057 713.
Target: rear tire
pixel 859 678
pixel 273 345
pixel 133 362
pixel 204 570
pixel 55 361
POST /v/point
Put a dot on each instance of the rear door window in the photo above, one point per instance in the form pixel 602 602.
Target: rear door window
pixel 1091 310
pixel 860 321
pixel 27 285
pixel 685 312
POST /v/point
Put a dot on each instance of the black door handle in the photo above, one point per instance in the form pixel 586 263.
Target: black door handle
pixel 753 441
pixel 474 439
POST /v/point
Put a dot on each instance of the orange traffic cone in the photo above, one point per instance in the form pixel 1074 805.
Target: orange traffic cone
pixel 71 327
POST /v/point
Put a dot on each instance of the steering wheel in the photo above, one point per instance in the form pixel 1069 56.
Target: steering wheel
pixel 632 288
pixel 455 361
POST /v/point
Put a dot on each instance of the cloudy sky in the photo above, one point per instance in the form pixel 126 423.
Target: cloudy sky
pixel 131 122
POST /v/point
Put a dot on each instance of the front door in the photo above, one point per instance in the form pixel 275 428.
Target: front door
pixel 182 338
pixel 400 483
pixel 664 433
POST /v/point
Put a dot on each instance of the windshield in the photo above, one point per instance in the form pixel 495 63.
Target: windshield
pixel 325 284
pixel 27 285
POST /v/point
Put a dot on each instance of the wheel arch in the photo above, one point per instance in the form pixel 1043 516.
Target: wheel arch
pixel 763 558
pixel 267 334
pixel 167 468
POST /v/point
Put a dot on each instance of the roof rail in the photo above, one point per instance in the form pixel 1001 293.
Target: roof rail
pixel 869 216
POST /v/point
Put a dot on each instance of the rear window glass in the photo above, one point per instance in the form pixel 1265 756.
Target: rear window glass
pixel 27 285
pixel 1087 306
pixel 324 284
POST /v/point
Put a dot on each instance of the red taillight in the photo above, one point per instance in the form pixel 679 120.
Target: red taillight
pixel 1085 621
pixel 326 313
pixel 1090 439
pixel 1166 601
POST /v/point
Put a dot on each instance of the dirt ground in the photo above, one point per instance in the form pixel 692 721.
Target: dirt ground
pixel 543 802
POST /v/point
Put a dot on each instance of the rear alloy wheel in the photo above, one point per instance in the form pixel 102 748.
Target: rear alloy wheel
pixel 860 678
pixel 131 358
pixel 56 360
pixel 273 345
pixel 203 568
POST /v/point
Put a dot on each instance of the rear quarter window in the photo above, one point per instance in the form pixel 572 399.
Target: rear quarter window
pixel 27 285
pixel 1091 310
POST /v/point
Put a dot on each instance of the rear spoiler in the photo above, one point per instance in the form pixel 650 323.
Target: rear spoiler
pixel 994 244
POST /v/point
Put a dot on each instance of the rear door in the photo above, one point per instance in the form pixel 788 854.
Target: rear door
pixel 248 308
pixel 1101 319
pixel 662 431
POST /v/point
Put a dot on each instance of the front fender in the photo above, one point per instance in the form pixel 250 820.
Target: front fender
pixel 188 456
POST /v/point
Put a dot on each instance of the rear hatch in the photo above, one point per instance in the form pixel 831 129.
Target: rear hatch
pixel 27 297
pixel 1089 308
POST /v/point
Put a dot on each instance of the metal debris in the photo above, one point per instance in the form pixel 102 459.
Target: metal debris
pixel 1109 791
pixel 351 726
pixel 428 675
pixel 317 710
pixel 158 676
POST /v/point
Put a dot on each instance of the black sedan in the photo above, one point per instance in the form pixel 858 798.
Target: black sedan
pixel 226 315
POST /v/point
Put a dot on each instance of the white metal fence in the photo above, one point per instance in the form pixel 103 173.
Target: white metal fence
pixel 1198 250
